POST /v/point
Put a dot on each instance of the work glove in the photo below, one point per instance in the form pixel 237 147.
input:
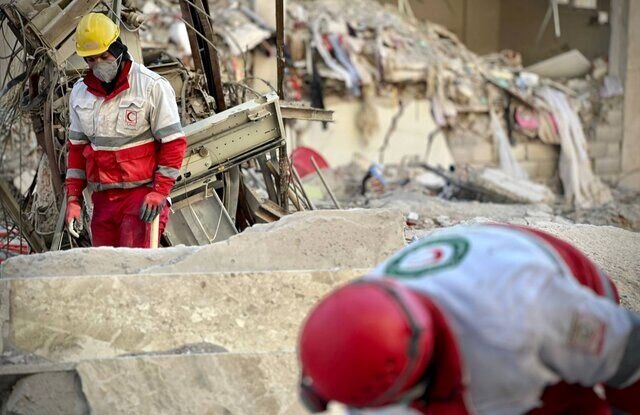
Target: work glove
pixel 152 206
pixel 73 217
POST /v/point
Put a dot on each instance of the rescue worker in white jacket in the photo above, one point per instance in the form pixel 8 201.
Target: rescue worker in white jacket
pixel 125 140
pixel 488 319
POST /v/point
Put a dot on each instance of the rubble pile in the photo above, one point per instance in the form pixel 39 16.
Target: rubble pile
pixel 434 212
pixel 237 28
pixel 134 347
pixel 353 48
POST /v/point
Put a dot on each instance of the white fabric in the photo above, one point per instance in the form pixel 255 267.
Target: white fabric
pixel 510 300
pixel 508 162
pixel 581 187
pixel 131 118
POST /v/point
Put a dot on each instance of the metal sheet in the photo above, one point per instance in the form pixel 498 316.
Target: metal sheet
pixel 202 222
pixel 231 135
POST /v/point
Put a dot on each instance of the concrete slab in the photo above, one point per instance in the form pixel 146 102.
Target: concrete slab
pixel 52 393
pixel 216 384
pixel 200 383
pixel 68 319
pixel 311 240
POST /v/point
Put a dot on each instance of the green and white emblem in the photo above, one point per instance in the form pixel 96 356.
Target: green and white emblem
pixel 428 256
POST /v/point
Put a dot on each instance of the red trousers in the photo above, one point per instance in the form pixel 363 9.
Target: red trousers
pixel 116 218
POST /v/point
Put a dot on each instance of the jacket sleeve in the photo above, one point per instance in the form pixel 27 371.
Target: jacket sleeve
pixel 76 178
pixel 587 339
pixel 167 130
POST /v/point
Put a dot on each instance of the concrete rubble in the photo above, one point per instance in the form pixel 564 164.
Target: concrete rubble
pixel 436 212
pixel 68 319
pixel 51 393
pixel 318 240
pixel 223 383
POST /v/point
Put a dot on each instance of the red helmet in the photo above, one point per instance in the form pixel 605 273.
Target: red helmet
pixel 365 344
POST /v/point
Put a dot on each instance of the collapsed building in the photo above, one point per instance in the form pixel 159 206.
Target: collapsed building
pixel 441 136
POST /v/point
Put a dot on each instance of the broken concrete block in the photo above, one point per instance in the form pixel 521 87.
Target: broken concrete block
pixel 215 384
pixel 53 393
pixel 511 188
pixel 73 318
pixel 322 239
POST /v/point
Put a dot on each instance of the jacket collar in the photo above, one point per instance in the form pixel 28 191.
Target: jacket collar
pixel 94 85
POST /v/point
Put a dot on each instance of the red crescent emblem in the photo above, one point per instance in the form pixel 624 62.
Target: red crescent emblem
pixel 131 118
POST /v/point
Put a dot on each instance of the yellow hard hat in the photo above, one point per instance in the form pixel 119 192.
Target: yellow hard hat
pixel 94 34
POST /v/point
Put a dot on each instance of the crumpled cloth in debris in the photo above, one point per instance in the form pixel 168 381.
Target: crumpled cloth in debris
pixel 508 162
pixel 343 58
pixel 324 53
pixel 581 187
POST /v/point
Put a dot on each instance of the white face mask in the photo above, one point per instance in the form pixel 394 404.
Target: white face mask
pixel 106 71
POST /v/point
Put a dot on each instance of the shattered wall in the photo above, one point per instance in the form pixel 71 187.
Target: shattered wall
pixel 475 146
pixel 606 140
pixel 339 141
pixel 604 132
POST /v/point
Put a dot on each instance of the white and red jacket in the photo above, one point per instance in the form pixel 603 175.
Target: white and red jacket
pixel 127 138
pixel 521 309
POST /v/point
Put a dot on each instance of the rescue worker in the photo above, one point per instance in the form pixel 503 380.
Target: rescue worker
pixel 485 319
pixel 125 140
